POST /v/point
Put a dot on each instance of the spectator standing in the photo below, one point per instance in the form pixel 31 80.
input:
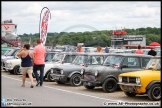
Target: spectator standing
pixel 152 52
pixel 79 47
pixel 106 49
pixel 139 50
pixel 39 57
pixel 26 64
pixel 99 49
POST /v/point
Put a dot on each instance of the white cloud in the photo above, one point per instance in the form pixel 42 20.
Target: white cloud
pixel 73 15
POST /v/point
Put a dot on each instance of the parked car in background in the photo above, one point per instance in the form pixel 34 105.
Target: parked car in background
pixel 61 58
pixel 106 75
pixel 10 53
pixel 71 73
pixel 147 81
pixel 4 49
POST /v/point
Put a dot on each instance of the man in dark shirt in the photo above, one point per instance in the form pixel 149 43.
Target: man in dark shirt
pixel 152 52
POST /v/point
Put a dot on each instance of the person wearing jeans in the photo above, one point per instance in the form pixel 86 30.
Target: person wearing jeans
pixel 38 63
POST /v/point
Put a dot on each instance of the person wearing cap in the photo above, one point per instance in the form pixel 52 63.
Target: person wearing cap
pixel 152 52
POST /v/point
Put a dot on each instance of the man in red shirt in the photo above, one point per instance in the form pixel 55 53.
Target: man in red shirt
pixel 39 57
pixel 80 48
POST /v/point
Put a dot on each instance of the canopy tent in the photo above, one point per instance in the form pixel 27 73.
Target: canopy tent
pixel 154 44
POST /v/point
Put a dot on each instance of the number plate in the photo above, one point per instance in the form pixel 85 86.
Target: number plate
pixel 56 77
pixel 128 88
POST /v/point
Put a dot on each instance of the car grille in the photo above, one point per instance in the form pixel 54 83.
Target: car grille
pixel 129 79
pixel 56 71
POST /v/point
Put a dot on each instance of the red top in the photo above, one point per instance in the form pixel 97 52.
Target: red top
pixel 39 54
pixel 139 51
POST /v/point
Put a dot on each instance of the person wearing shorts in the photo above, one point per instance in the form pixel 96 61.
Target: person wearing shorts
pixel 26 64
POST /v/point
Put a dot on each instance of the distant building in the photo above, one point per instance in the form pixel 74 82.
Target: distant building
pixel 120 38
pixel 9 29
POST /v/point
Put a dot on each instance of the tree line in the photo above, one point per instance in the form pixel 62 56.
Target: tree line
pixel 94 38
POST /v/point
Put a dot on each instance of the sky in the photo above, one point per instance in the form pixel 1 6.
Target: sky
pixel 75 16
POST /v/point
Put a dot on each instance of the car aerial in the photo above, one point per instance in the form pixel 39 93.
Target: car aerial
pixel 71 73
pixel 147 81
pixel 107 74
pixel 58 59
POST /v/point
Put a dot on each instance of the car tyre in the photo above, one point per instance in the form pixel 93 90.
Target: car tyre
pixel 130 94
pixel 154 93
pixel 17 70
pixel 110 85
pixel 87 86
pixel 75 80
pixel 49 77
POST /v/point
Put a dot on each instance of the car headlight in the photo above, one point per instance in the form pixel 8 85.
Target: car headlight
pixel 82 71
pixel 51 70
pixel 96 73
pixel 138 80
pixel 61 71
pixel 120 78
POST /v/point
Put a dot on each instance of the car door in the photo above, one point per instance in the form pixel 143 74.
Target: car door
pixel 130 64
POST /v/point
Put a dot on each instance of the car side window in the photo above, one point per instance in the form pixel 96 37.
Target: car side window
pixel 132 62
pixel 145 61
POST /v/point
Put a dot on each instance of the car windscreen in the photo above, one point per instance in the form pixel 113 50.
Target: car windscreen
pixel 58 58
pixel 154 64
pixel 10 52
pixel 80 60
pixel 112 60
pixel 49 57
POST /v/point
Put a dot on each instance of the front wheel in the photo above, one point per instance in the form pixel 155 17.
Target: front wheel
pixel 129 94
pixel 75 80
pixel 154 93
pixel 16 70
pixel 110 85
pixel 49 77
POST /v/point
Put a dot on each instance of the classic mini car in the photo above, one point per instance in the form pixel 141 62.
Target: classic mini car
pixel 147 81
pixel 10 54
pixel 71 73
pixel 61 58
pixel 107 74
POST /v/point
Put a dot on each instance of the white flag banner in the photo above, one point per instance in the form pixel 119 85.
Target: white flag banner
pixel 45 16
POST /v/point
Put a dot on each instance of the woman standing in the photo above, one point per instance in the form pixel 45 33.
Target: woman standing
pixel 99 49
pixel 26 64
pixel 139 50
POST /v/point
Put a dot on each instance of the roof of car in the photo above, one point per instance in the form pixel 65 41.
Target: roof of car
pixel 131 54
pixel 92 53
pixel 68 53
